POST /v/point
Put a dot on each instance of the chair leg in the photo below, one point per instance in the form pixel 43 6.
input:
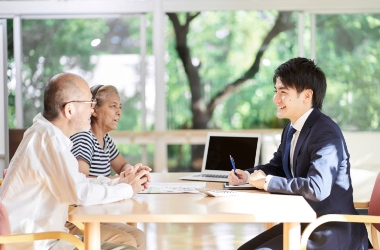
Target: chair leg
pixel 375 241
pixel 269 225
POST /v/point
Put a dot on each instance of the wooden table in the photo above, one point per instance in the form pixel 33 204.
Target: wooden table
pixel 252 206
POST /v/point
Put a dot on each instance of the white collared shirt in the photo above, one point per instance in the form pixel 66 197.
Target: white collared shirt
pixel 297 126
pixel 42 180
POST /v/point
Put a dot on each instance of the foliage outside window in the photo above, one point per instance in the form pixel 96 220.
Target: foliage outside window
pixel 214 50
pixel 348 50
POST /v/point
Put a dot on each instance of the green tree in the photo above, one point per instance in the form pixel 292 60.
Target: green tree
pixel 53 46
pixel 205 52
pixel 348 51
pixel 201 111
pixel 50 47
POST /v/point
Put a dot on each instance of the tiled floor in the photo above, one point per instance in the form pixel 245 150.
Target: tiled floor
pixel 198 236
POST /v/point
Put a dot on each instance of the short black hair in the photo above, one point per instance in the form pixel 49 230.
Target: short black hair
pixel 302 73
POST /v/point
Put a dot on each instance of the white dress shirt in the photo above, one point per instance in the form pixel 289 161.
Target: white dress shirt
pixel 42 180
pixel 297 126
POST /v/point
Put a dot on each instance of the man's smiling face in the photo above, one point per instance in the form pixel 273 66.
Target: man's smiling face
pixel 289 103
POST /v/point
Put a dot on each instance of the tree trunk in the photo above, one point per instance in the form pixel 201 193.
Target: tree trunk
pixel 202 113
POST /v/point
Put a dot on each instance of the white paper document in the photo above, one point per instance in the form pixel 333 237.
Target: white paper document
pixel 174 187
pixel 246 186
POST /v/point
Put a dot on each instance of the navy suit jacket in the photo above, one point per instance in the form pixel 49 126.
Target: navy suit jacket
pixel 321 169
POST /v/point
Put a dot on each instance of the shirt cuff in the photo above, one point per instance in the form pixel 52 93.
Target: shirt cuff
pixel 105 180
pixel 267 180
pixel 114 181
pixel 248 175
pixel 101 180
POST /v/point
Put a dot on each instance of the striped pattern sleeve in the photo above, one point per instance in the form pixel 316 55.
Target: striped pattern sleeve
pixel 113 152
pixel 83 146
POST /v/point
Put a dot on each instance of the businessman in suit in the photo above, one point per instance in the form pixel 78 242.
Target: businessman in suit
pixel 312 161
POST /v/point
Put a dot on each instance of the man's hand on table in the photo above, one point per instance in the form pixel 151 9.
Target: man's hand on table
pixel 257 179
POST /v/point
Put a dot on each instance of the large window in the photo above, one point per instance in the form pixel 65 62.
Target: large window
pixel 220 67
pixel 223 47
pixel 103 51
pixel 348 52
pixel 218 72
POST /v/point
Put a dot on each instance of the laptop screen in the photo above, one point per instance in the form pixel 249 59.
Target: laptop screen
pixel 243 149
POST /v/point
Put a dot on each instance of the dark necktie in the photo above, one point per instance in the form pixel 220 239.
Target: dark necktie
pixel 285 160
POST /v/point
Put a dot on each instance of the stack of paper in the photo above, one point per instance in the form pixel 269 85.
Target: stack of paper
pixel 174 187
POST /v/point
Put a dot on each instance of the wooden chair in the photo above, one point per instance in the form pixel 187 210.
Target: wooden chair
pixel 15 137
pixel 373 217
pixel 17 238
pixel 78 224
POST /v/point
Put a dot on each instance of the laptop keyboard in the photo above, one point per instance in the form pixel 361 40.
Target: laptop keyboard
pixel 212 175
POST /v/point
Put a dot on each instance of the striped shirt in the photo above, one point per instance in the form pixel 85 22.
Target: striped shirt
pixel 86 147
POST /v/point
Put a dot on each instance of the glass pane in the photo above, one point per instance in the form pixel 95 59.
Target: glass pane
pixel 348 51
pixel 103 51
pixel 179 158
pixel 134 153
pixel 220 49
pixel 223 47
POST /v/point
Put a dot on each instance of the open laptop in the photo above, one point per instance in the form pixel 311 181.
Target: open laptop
pixel 243 147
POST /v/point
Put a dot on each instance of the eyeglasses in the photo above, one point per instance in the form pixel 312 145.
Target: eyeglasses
pixel 92 102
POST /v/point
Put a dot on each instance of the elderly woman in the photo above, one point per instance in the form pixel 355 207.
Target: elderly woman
pixel 97 154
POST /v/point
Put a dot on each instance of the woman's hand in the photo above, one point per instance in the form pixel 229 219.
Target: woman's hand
pixel 130 172
pixel 137 180
pixel 141 167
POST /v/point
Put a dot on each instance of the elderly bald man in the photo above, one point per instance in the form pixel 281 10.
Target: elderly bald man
pixel 43 177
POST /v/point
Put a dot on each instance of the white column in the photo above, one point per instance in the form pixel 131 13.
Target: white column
pixel 313 27
pixel 17 48
pixel 161 152
pixel 4 133
pixel 301 25
pixel 144 155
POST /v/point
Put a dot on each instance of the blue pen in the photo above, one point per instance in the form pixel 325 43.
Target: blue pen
pixel 233 165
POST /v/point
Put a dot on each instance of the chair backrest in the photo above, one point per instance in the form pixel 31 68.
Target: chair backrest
pixel 15 137
pixel 374 203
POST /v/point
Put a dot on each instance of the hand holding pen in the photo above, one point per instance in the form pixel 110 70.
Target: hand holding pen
pixel 236 176
pixel 233 165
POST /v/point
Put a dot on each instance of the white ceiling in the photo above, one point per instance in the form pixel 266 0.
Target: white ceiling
pixel 116 7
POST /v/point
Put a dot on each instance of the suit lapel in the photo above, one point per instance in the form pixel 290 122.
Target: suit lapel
pixel 304 133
